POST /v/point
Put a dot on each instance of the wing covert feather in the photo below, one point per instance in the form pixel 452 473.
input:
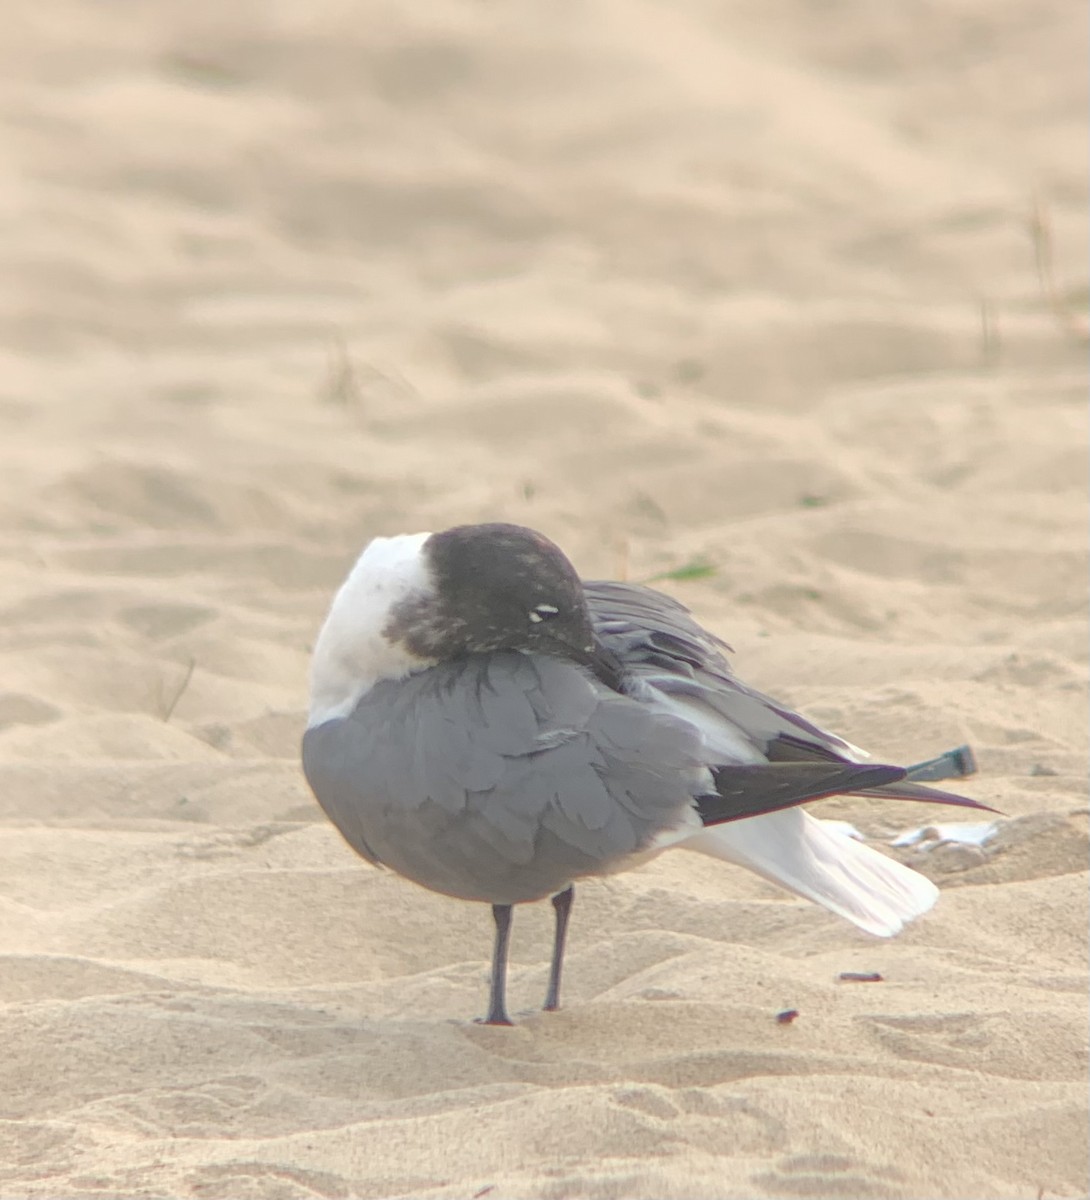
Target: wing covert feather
pixel 444 777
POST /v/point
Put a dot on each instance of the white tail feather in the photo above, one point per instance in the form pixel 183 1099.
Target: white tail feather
pixel 819 862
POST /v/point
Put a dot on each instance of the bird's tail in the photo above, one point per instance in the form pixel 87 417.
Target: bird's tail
pixel 817 861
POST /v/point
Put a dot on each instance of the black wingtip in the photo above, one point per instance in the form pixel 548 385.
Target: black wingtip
pixel 921 795
pixel 928 795
pixel 753 789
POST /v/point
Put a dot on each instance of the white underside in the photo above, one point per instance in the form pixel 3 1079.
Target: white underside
pixel 818 861
pixel 807 856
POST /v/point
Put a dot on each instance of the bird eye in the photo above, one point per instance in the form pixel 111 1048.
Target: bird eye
pixel 543 612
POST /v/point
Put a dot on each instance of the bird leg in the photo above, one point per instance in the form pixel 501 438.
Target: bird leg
pixel 562 905
pixel 497 1003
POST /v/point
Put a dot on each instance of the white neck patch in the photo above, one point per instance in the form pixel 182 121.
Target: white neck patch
pixel 351 654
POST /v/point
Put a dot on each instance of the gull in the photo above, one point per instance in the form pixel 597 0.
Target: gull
pixel 491 727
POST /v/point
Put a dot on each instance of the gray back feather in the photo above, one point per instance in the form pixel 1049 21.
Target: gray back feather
pixel 662 647
pixel 503 777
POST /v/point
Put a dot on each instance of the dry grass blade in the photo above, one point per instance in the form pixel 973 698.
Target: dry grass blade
pixel 695 568
pixel 168 709
pixel 1040 231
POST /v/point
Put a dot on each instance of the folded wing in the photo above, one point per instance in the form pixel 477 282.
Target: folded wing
pixel 671 663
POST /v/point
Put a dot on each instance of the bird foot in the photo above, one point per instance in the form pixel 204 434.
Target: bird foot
pixel 500 1018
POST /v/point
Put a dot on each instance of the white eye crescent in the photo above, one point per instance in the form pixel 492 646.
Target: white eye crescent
pixel 541 611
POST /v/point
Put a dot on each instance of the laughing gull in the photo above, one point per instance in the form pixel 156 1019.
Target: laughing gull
pixel 489 726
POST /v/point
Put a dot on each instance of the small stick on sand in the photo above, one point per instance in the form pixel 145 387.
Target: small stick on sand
pixel 168 711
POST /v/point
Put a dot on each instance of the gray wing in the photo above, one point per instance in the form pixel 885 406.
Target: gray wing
pixel 504 777
pixel 662 648
pixel 672 663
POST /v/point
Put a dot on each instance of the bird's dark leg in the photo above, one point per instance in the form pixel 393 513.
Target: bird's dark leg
pixel 562 905
pixel 497 1002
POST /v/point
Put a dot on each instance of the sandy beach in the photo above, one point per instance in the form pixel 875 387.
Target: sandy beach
pixel 783 306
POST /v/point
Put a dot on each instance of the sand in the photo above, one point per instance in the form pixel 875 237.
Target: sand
pixel 794 291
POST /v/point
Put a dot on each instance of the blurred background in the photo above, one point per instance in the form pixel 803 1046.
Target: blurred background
pixel 786 304
pixel 351 265
pixel 782 306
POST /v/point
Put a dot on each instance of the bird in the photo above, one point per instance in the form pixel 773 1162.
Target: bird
pixel 488 725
